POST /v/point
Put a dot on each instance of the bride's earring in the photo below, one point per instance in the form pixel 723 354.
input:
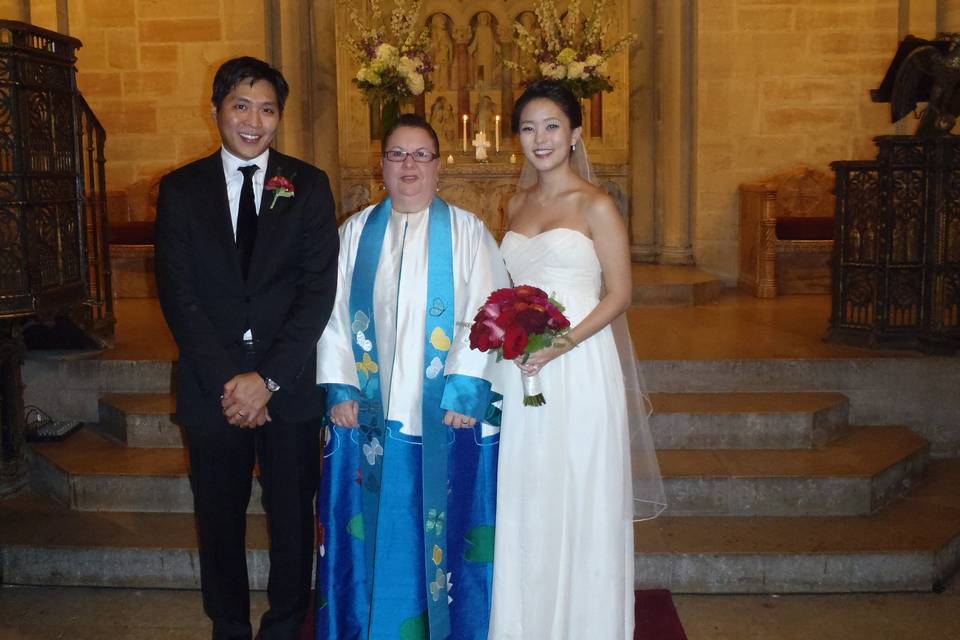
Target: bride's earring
pixel 573 147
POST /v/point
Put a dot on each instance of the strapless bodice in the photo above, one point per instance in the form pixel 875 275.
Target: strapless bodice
pixel 560 261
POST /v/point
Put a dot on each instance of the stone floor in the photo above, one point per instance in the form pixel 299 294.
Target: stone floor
pixel 31 613
pixel 735 325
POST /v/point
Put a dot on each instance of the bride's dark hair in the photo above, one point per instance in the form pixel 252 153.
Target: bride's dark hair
pixel 556 93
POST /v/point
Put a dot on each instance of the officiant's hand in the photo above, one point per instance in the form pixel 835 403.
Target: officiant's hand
pixel 345 414
pixel 245 398
pixel 458 420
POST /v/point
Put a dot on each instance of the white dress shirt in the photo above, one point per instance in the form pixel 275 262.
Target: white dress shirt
pixel 231 171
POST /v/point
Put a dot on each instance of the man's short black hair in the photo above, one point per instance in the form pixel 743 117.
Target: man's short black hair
pixel 247 69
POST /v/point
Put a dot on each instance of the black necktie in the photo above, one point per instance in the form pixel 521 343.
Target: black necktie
pixel 246 219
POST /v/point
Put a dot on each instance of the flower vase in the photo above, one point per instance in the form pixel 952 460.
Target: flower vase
pixel 389 114
pixel 596 115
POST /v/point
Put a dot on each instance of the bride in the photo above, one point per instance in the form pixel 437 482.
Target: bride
pixel 566 503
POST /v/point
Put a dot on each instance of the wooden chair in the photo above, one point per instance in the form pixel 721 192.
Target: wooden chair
pixel 786 233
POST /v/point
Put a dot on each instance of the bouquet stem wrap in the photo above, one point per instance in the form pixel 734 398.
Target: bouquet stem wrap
pixel 532 394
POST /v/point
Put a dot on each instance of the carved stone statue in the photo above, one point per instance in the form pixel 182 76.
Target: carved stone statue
pixel 441 51
pixel 444 120
pixel 484 53
pixel 484 115
pixel 526 61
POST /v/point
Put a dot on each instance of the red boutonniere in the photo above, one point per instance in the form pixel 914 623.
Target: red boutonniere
pixel 281 187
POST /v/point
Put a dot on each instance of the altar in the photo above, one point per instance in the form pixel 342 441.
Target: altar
pixel 482 188
pixel 478 72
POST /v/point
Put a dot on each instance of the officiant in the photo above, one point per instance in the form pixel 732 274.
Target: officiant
pixel 407 498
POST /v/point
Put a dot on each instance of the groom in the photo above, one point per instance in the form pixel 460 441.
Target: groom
pixel 246 255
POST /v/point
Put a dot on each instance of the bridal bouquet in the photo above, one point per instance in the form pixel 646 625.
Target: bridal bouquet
pixel 570 48
pixel 393 59
pixel 516 322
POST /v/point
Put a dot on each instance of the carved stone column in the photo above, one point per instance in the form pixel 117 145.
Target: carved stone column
pixel 461 39
pixel 505 36
pixel 948 16
pixel 643 229
pixel 675 40
pixel 324 131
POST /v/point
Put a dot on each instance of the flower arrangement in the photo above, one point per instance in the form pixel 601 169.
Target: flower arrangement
pixel 393 58
pixel 517 322
pixel 571 48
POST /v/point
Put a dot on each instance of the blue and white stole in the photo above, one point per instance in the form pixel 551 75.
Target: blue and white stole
pixel 439 328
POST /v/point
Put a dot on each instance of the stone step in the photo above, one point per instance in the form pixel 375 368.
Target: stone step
pixel 856 474
pixel 45 543
pixel 679 420
pixel 663 285
pixel 747 420
pixel 140 419
pixel 88 472
pixel 912 545
pixel 853 475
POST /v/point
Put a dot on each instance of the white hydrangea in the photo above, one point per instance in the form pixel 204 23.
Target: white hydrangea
pixel 387 53
pixel 415 83
pixel 575 70
pixel 407 66
pixel 551 70
pixel 594 59
pixel 369 75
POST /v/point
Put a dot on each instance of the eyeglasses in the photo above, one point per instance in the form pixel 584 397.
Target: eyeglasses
pixel 420 155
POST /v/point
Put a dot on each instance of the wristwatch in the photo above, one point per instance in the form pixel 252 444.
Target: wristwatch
pixel 272 386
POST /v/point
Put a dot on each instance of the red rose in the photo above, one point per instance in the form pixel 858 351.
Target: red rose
pixel 502 296
pixel 514 342
pixel 279 182
pixel 532 320
pixel 557 319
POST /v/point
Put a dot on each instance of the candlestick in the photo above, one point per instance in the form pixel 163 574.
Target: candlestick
pixel 496 134
pixel 464 133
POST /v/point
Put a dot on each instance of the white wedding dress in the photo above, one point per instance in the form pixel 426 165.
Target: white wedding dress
pixel 563 561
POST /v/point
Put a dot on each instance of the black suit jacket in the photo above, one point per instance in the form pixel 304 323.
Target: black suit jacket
pixel 286 300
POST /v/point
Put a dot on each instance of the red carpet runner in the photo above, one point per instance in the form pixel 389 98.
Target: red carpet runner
pixel 656 618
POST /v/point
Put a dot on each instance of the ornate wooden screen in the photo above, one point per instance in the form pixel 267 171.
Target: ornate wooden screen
pixel 41 245
pixel 896 278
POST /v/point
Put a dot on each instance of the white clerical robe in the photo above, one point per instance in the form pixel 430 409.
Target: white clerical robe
pixel 400 307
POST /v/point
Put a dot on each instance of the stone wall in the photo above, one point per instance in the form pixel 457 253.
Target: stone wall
pixel 775 83
pixel 782 83
pixel 146 68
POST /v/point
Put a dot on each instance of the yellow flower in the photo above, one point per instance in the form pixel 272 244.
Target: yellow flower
pixel 594 59
pixel 437 555
pixel 566 56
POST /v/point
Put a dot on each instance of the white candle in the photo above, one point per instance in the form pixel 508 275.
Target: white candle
pixel 464 133
pixel 496 135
